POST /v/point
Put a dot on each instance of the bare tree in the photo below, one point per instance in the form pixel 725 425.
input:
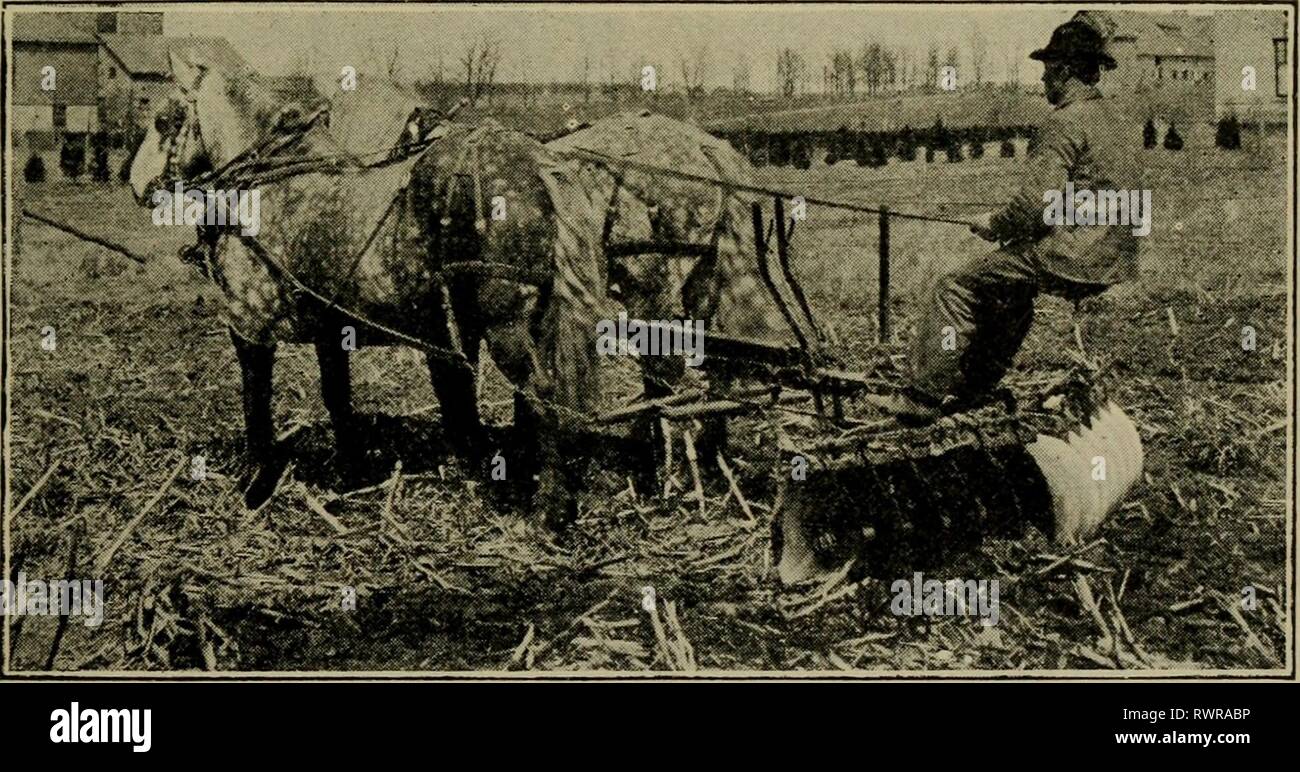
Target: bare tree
pixel 436 84
pixel 932 69
pixel 740 75
pixel 904 58
pixel 610 87
pixel 393 62
pixel 695 71
pixel 873 65
pixel 979 54
pixel 842 73
pixel 480 61
pixel 1011 66
pixel 384 59
pixel 889 68
pixel 790 72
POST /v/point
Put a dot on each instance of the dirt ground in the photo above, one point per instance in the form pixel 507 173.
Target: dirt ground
pixel 448 575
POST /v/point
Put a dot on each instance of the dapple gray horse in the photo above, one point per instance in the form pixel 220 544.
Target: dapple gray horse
pixel 382 263
pixel 359 246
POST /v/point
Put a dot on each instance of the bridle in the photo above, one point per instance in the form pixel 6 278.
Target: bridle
pixel 184 129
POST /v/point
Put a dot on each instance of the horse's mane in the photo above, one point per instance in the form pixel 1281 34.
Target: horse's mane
pixel 365 120
pixel 255 102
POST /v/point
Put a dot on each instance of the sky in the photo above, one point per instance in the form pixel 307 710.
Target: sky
pixel 551 43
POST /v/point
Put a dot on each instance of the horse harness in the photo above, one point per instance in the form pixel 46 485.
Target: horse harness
pixel 266 162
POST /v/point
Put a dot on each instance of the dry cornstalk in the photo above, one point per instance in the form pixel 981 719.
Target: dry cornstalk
pixel 62 627
pixel 661 638
pixel 107 555
pixel 1121 627
pixel 667 430
pixel 31 492
pixel 682 645
pixel 521 653
pixel 693 460
pixel 316 506
pixel 394 489
pixel 546 645
pixel 735 489
pixel 1086 599
pixel 1255 642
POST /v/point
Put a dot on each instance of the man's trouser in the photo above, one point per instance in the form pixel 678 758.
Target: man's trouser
pixel 974 320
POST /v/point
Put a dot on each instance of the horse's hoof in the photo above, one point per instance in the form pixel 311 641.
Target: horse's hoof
pixel 353 471
pixel 470 445
pixel 262 481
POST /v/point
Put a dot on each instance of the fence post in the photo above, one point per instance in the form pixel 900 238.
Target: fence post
pixel 883 283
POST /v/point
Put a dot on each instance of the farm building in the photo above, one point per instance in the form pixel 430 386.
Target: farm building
pixel 1189 67
pixel 1254 38
pixel 134 72
pixel 56 58
pixel 108 69
pixel 1156 50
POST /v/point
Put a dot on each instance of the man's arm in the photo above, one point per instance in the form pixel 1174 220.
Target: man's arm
pixel 982 225
pixel 1021 220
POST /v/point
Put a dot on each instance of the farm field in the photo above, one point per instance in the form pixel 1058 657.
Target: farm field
pixel 448 575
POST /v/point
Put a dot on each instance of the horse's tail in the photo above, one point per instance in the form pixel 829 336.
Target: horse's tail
pixel 578 299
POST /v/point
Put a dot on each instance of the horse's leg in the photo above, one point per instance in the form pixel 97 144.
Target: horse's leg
pixel 659 377
pixel 336 392
pixel 256 363
pixel 569 380
pixel 556 495
pixel 455 386
pixel 537 422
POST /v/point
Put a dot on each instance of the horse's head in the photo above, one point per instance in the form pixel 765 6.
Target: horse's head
pixel 198 127
pixel 723 285
pixel 173 138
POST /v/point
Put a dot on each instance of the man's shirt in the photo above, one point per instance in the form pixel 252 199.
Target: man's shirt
pixel 1090 144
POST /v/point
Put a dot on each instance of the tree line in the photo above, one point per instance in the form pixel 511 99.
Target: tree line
pixel 874 148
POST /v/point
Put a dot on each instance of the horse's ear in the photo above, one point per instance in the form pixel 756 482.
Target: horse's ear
pixel 188 75
pixel 182 73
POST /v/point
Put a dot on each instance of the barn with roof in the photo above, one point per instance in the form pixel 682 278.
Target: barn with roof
pixel 54 72
pixel 1173 49
pixel 135 74
pixel 1192 66
pixel 78 72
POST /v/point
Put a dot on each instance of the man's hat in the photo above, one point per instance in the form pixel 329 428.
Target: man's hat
pixel 1076 41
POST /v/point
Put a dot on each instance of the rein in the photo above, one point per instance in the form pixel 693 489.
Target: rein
pixel 262 152
pixel 457 358
pixel 261 164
